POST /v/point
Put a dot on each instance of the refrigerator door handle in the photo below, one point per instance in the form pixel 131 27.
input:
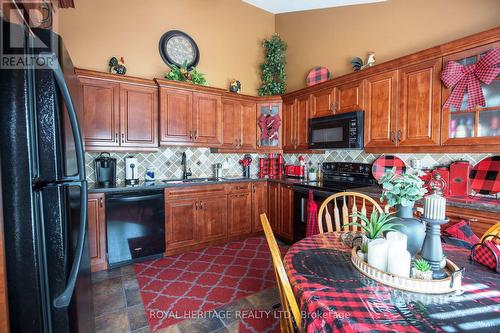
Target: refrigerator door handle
pixel 73 118
pixel 63 300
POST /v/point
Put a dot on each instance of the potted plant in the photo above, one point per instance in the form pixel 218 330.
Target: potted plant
pixel 373 227
pixel 363 251
pixel 311 173
pixel 421 270
pixel 401 191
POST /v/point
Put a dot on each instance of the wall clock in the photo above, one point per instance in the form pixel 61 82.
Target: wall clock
pixel 177 48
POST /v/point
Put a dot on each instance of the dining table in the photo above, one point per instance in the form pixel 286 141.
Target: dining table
pixel 335 297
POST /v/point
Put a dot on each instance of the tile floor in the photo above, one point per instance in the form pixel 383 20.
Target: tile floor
pixel 118 307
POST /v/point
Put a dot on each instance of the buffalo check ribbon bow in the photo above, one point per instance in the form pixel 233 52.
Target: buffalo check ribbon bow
pixel 468 79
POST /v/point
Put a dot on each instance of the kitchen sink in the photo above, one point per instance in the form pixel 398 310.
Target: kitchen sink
pixel 189 180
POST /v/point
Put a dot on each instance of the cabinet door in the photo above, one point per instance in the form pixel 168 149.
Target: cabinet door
pixel 288 125
pixel 259 204
pixel 380 110
pixel 180 222
pixel 322 103
pixel 139 116
pixel 239 213
pixel 97 232
pixel 231 123
pixel 207 119
pixel 248 126
pixel 212 218
pixel 286 211
pixel 419 104
pixel 175 116
pixel 349 97
pixel 273 204
pixel 301 122
pixel 101 114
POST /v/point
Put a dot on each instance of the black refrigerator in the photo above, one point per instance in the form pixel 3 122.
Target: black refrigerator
pixel 44 185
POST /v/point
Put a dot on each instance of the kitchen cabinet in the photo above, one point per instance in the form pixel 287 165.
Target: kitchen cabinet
pixel 181 223
pixel 419 104
pixel 259 204
pixel 239 207
pixel 119 113
pixel 380 110
pixel 273 203
pixel 479 221
pixel 286 211
pixel 322 102
pixel 272 111
pixel 478 127
pixel 190 118
pixel 348 97
pixel 212 218
pixel 296 124
pixel 239 129
pixel 96 227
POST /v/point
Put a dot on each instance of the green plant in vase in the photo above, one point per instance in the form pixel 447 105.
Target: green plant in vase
pixel 401 190
pixel 421 270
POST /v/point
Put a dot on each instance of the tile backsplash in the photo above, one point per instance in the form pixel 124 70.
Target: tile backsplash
pixel 167 161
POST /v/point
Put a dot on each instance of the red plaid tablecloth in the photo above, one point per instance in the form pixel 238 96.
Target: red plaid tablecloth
pixel 335 297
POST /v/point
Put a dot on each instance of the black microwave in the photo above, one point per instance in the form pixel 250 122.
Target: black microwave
pixel 342 131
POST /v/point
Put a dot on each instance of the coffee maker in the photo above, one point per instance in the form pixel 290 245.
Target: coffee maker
pixel 105 170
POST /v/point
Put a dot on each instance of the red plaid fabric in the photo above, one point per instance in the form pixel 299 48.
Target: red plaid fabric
pixel 312 216
pixel 485 176
pixel 462 230
pixel 468 79
pixel 337 298
pixel 385 163
pixel 488 253
pixel 317 75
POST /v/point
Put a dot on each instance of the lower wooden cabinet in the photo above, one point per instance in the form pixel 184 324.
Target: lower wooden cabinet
pixel 212 217
pixel 97 231
pixel 280 205
pixel 180 229
pixel 259 204
pixel 239 206
pixel 273 202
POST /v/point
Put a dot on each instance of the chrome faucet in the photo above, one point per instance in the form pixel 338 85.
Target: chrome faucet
pixel 185 171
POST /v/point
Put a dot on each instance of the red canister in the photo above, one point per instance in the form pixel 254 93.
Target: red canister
pixel 445 176
pixel 459 178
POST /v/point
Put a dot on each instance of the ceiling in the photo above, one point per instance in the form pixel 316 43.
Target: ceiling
pixel 285 6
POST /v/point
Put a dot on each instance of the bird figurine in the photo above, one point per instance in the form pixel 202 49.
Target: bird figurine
pixel 117 67
pixel 357 62
pixel 235 86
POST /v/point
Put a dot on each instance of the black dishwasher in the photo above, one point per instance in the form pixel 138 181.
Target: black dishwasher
pixel 135 226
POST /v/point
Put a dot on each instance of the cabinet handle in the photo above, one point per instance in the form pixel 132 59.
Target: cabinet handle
pixel 196 134
pixel 196 205
pixel 123 137
pixel 101 202
pixel 393 139
pixel 116 137
pixel 253 188
pixel 202 205
pixel 190 135
pixel 472 220
pixel 399 135
pixel 239 143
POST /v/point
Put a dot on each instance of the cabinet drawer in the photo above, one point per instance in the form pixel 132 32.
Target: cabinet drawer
pixel 239 187
pixel 189 191
pixel 479 221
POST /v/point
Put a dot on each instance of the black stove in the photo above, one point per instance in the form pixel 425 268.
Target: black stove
pixel 337 177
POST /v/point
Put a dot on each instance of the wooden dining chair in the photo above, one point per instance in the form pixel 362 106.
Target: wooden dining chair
pixel 342 214
pixel 288 301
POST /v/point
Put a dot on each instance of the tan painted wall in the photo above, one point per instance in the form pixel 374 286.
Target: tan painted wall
pixel 228 33
pixel 331 37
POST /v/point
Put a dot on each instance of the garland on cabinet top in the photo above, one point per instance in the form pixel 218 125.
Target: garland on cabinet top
pixel 273 67
pixel 184 74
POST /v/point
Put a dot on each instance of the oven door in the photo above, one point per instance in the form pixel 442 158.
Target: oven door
pixel 337 132
pixel 301 195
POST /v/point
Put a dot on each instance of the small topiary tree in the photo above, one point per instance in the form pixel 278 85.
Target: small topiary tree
pixel 273 68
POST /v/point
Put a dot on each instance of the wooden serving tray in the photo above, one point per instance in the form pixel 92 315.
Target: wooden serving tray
pixel 451 284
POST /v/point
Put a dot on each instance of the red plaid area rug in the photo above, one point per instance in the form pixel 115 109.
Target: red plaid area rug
pixel 173 288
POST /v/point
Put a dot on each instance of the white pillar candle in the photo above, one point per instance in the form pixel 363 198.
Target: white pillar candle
pixel 435 207
pixel 377 253
pixel 397 240
pixel 399 262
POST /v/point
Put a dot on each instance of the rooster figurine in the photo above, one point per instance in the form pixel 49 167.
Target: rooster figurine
pixel 357 62
pixel 117 67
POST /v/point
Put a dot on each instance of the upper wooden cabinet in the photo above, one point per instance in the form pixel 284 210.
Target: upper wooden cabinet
pixel 322 103
pixel 265 141
pixel 348 97
pixel 239 128
pixel 478 127
pixel 380 110
pixel 190 118
pixel 119 113
pixel 295 124
pixel 419 104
